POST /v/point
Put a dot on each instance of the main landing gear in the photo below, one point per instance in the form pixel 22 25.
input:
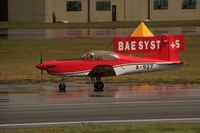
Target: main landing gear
pixel 98 85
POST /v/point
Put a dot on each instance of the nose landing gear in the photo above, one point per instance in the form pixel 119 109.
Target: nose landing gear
pixel 62 87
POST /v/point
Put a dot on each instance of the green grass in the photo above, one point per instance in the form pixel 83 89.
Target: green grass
pixel 167 128
pixel 130 24
pixel 19 57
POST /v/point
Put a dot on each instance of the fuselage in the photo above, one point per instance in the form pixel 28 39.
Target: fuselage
pixel 121 65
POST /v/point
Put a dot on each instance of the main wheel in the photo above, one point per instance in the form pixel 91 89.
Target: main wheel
pixel 98 86
pixel 62 87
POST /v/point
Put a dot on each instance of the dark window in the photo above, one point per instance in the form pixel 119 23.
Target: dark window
pixel 3 10
pixel 103 5
pixel 160 4
pixel 74 6
pixel 189 4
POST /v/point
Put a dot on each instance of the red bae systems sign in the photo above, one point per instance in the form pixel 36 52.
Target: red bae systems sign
pixel 147 44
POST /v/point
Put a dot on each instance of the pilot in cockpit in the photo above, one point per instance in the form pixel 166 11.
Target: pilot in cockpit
pixel 92 56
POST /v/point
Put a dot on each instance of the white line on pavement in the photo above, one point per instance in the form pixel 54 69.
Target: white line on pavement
pixel 99 122
pixel 102 103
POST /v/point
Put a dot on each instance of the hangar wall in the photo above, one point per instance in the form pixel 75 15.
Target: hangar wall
pixel 40 11
pixel 26 10
pixel 126 10
pixel 99 16
pixel 136 10
pixel 175 12
pixel 60 9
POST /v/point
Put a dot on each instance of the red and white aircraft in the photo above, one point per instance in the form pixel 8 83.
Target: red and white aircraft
pixel 99 64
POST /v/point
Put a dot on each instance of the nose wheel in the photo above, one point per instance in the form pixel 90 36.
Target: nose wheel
pixel 98 86
pixel 62 87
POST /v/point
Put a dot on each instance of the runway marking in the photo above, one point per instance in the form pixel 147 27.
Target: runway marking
pixel 101 122
pixel 103 103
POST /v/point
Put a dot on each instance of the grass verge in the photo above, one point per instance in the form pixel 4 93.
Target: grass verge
pixel 167 128
pixel 129 24
pixel 19 57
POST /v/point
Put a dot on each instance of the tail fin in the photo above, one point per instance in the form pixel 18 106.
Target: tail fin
pixel 168 49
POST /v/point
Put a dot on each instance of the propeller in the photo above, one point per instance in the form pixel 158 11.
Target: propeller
pixel 41 60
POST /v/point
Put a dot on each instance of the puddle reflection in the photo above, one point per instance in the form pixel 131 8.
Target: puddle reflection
pixel 3 33
pixel 84 93
pixel 16 34
pixel 125 91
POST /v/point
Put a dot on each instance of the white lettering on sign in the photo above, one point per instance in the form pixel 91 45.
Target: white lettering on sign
pixel 133 45
pixel 172 45
pixel 178 45
pixel 158 44
pixel 153 46
pixel 147 44
pixel 141 45
pixel 127 47
pixel 120 46
pixel 175 44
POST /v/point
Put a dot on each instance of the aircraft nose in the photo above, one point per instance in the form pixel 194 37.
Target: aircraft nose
pixel 45 66
pixel 40 66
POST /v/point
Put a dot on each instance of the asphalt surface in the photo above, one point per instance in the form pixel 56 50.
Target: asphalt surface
pixel 18 34
pixel 43 106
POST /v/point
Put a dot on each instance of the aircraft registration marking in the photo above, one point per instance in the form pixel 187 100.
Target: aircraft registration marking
pixel 144 67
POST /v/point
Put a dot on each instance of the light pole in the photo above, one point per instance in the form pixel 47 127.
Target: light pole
pixel 88 11
pixel 124 10
pixel 149 10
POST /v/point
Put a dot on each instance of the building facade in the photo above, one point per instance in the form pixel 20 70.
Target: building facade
pixel 98 10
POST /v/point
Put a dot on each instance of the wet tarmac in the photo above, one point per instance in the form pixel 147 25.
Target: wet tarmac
pixel 19 34
pixel 41 105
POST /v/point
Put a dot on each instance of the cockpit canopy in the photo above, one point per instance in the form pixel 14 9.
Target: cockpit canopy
pixel 100 55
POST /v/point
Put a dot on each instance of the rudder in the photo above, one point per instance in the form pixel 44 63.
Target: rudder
pixel 168 49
